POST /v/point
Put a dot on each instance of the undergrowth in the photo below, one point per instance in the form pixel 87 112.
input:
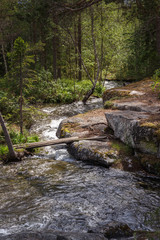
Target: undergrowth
pixel 16 138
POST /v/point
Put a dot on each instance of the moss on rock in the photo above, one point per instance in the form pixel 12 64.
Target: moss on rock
pixel 150 163
pixel 149 146
pixel 122 148
pixel 67 129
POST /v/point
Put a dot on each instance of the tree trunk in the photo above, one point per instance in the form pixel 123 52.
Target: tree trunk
pixel 70 63
pixel 54 57
pixel 54 47
pixel 158 34
pixel 58 56
pixel 4 58
pixel 75 40
pixel 80 47
pixel 90 92
pixel 21 97
pixel 34 29
pixel 102 43
pixel 7 139
pixel 58 141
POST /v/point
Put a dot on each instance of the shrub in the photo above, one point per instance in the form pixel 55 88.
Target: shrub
pixel 17 138
pixel 156 78
pixel 3 150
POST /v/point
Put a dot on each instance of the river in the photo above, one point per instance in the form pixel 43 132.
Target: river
pixel 53 191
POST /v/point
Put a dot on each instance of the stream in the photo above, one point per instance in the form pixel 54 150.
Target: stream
pixel 53 191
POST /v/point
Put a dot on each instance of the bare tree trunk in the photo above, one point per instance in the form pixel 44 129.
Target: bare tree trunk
pixel 70 64
pixel 43 54
pixel 75 40
pixel 158 34
pixel 102 41
pixel 83 64
pixel 4 58
pixel 21 97
pixel 58 57
pixel 8 140
pixel 90 92
pixel 54 57
pixel 79 47
pixel 54 47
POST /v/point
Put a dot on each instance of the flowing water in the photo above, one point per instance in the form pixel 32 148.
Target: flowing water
pixel 53 191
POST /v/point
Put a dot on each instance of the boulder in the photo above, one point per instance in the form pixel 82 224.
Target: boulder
pixel 137 106
pixel 117 230
pixel 95 152
pixel 49 235
pixel 131 91
pixel 93 123
pixel 128 127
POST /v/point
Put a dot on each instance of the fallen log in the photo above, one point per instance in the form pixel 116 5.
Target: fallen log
pixel 55 142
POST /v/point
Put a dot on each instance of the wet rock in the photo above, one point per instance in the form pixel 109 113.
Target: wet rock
pixel 98 153
pixel 114 230
pixel 54 236
pixel 117 230
pixel 127 127
pixel 144 235
pixel 93 123
pixel 30 236
pixel 81 236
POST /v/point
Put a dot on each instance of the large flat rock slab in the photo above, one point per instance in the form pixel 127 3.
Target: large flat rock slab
pixel 128 127
pixel 93 123
pixel 137 106
pixel 137 90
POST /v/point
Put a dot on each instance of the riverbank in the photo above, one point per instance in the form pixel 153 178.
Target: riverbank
pixel 131 122
pixel 53 196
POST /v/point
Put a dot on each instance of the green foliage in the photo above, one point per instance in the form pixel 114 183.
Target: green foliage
pixel 46 90
pixel 125 35
pixel 156 78
pixel 17 137
pixel 21 62
pixel 8 106
pixel 3 151
pixel 122 148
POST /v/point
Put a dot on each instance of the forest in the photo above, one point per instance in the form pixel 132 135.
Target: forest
pixel 79 119
pixel 62 51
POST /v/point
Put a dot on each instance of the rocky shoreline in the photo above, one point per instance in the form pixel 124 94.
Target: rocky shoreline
pixel 131 122
pixel 131 126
